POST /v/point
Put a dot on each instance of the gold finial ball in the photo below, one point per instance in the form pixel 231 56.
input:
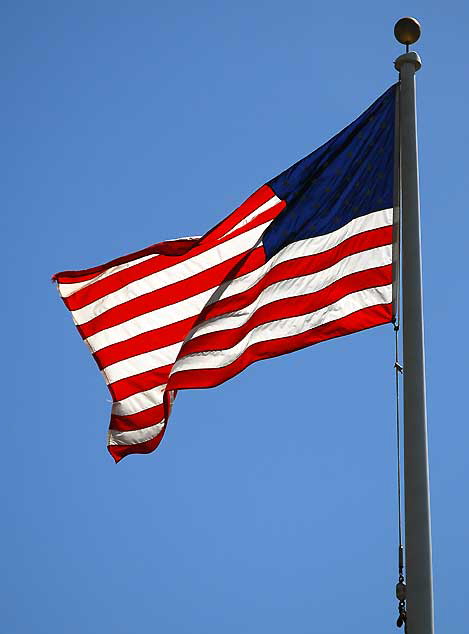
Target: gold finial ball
pixel 407 30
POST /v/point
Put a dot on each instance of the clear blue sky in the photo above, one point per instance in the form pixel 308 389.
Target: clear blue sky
pixel 270 505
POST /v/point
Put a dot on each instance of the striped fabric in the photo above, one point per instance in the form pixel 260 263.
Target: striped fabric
pixel 305 258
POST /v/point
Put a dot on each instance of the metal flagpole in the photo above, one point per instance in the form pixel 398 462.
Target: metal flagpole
pixel 416 488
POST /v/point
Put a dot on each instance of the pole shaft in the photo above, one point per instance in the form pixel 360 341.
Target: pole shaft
pixel 416 485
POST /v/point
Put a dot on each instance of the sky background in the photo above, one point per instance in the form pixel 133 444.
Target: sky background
pixel 270 505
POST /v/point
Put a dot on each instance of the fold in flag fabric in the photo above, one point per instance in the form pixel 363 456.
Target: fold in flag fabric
pixel 307 257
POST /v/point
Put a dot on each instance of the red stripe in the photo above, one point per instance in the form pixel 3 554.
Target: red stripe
pixel 120 451
pixel 168 247
pixel 210 278
pixel 210 377
pixel 61 278
pixel 148 417
pixel 139 382
pixel 265 216
pixel 174 247
pixel 145 342
pixel 118 280
pixel 290 307
pixel 255 200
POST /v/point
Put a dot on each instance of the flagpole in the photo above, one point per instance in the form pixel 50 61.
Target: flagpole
pixel 416 486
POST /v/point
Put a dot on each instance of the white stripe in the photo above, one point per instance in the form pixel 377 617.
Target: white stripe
pixel 268 205
pixel 193 305
pixel 179 271
pixel 285 328
pixel 115 437
pixel 141 363
pixel 67 289
pixel 298 286
pixel 139 402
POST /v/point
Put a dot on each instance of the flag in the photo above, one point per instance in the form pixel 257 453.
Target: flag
pixel 307 257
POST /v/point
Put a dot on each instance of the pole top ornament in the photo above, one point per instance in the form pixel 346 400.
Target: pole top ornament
pixel 407 31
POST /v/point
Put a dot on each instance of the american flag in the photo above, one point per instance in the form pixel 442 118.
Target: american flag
pixel 306 258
